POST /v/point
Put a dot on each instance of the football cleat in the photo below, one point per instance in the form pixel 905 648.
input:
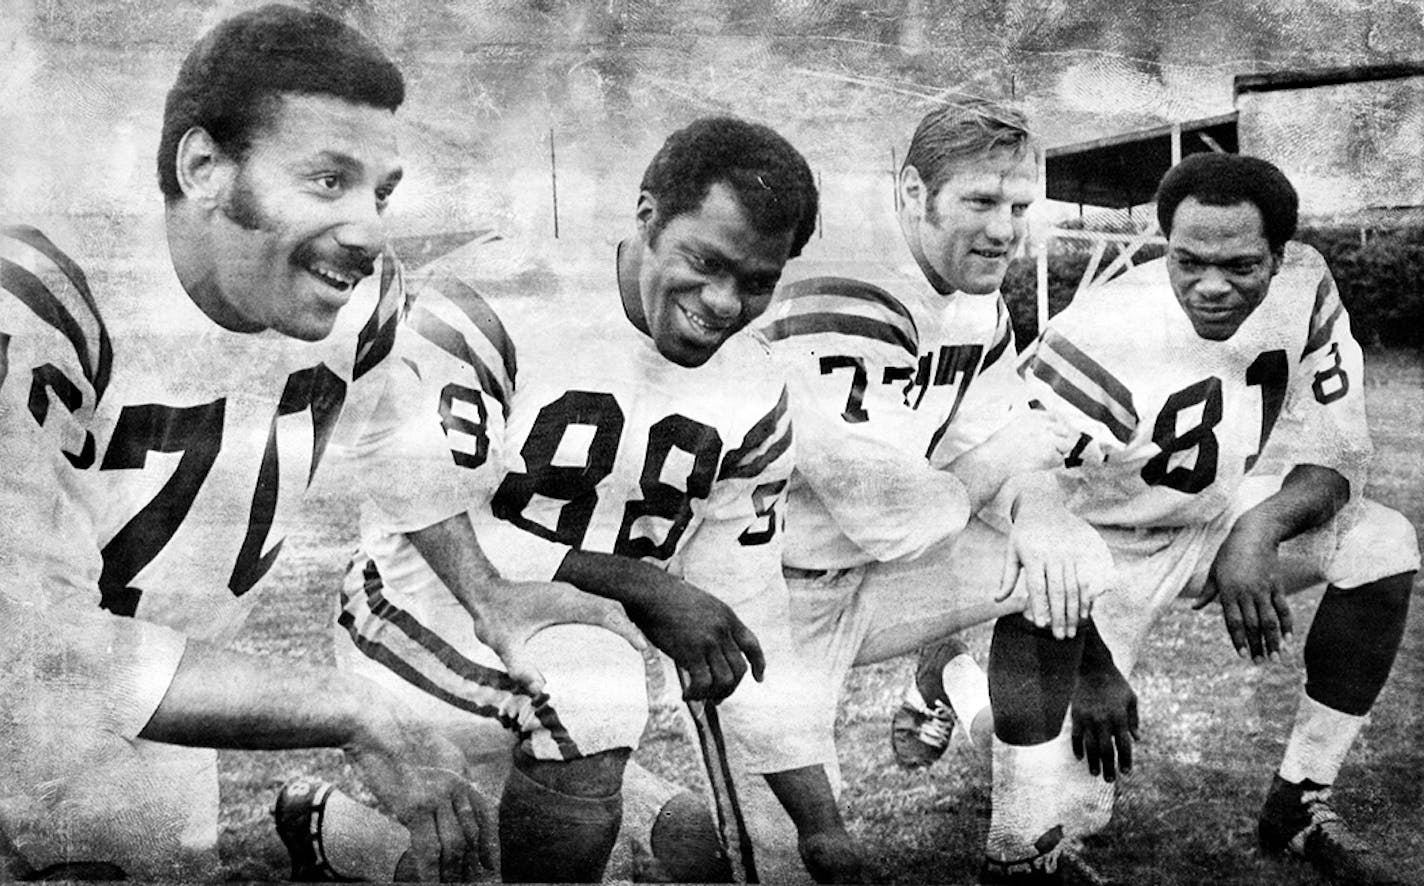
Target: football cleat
pixel 298 812
pixel 923 724
pixel 1053 862
pixel 1297 820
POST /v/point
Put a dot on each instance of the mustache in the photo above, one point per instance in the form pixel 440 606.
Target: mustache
pixel 346 260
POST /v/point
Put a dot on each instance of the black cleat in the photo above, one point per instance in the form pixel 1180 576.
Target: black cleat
pixel 924 722
pixel 1053 863
pixel 298 812
pixel 1297 820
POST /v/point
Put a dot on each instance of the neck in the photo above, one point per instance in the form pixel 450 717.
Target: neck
pixel 190 248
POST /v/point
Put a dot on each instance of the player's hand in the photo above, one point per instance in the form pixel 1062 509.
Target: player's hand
pixel 1104 715
pixel 1062 562
pixel 700 633
pixel 419 778
pixel 1246 577
pixel 516 611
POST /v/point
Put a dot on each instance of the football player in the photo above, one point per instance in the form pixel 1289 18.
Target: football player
pixel 180 439
pixel 910 419
pixel 1218 394
pixel 642 432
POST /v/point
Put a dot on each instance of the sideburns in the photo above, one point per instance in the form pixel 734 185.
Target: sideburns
pixel 241 207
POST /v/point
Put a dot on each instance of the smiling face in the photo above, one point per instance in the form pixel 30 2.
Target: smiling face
pixel 964 236
pixel 703 276
pixel 1220 264
pixel 298 220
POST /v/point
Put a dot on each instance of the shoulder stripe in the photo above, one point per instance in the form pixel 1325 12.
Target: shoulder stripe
pixel 1323 315
pixel 841 324
pixel 1003 337
pixel 448 339
pixel 62 299
pixel 474 306
pixel 1120 423
pixel 845 287
pixel 1054 342
pixel 767 440
pixel 378 336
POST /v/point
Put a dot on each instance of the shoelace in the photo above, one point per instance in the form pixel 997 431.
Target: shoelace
pixel 937 726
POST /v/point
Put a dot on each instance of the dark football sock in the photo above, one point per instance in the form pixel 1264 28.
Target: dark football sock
pixel 1353 640
pixel 1031 680
pixel 558 819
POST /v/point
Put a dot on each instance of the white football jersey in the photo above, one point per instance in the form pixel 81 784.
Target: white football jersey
pixel 581 435
pixel 196 458
pixel 1171 422
pixel 609 446
pixel 888 376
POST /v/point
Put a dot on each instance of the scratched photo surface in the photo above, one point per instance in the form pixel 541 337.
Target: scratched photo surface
pixel 535 118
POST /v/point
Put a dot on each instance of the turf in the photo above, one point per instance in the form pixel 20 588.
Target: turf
pixel 1214 727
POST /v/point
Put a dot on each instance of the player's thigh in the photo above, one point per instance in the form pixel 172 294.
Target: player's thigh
pixel 1363 543
pixel 950 587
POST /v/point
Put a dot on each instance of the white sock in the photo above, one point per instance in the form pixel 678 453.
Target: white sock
pixel 359 841
pixel 967 687
pixel 1024 791
pixel 1318 743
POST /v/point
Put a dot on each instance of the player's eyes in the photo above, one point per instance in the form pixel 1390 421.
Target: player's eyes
pixel 701 264
pixel 1020 210
pixel 329 181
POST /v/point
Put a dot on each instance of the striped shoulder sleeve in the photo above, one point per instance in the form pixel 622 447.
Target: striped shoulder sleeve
pixel 842 306
pixel 1082 382
pixel 454 317
pixel 376 339
pixel 39 279
pixel 767 440
pixel 1325 311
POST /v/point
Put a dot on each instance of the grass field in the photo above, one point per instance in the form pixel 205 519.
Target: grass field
pixel 1214 727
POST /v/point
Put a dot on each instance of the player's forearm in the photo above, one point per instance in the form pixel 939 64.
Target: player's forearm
pixel 1034 493
pixel 621 579
pixel 453 552
pixel 1309 496
pixel 225 699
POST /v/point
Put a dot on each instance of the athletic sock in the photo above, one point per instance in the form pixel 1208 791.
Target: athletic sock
pixel 1025 783
pixel 1353 640
pixel 1031 680
pixel 967 687
pixel 546 836
pixel 1318 743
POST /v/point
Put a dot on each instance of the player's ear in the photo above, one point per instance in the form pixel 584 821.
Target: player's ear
pixel 203 168
pixel 1278 258
pixel 646 212
pixel 913 191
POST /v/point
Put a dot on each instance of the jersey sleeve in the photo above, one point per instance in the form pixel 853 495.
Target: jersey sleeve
pixel 56 347
pixel 831 336
pixel 70 665
pixel 1323 421
pixel 409 454
pixel 1067 381
pixel 467 367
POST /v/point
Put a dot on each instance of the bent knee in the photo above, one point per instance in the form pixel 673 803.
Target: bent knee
pixel 596 683
pixel 1379 543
